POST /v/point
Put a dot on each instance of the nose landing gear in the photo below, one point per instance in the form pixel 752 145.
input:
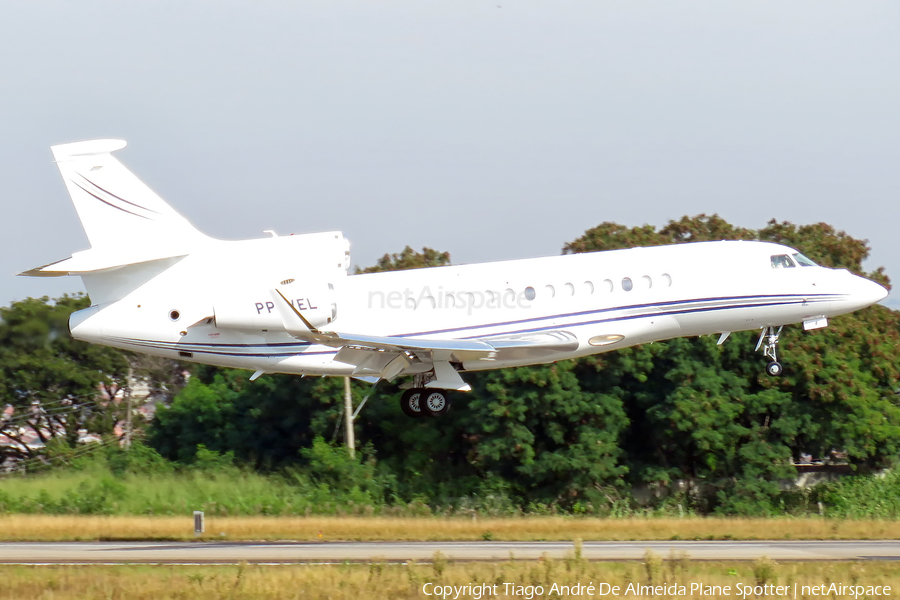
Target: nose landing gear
pixel 769 335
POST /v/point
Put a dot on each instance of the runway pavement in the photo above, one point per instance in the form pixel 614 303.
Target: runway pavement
pixel 325 552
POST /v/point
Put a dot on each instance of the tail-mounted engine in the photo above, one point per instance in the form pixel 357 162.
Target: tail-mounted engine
pixel 315 300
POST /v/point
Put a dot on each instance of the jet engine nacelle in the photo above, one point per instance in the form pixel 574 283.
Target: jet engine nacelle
pixel 316 301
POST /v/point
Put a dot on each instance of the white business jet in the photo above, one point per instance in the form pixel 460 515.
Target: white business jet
pixel 286 304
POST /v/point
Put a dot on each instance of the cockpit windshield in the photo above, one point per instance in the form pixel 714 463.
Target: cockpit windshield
pixel 782 261
pixel 803 261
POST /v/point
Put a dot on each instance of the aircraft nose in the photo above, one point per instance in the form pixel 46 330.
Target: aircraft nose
pixel 868 292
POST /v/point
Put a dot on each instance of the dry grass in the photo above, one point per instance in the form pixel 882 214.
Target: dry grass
pixel 47 527
pixel 379 580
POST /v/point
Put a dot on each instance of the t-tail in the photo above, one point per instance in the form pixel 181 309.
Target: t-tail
pixel 134 234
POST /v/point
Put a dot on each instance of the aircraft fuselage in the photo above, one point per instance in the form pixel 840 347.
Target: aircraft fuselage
pixel 605 300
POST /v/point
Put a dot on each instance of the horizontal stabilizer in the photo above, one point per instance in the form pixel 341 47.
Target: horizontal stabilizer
pixel 88 148
pixel 92 261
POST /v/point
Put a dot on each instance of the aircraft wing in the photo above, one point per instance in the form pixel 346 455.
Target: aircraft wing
pixel 390 356
pixel 539 345
pixel 337 340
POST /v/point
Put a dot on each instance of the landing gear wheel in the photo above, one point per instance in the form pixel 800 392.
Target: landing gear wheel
pixel 434 403
pixel 768 340
pixel 411 404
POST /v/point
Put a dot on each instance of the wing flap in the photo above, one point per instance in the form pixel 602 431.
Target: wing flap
pixel 540 345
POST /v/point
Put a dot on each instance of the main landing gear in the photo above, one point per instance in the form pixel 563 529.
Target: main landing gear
pixel 417 402
pixel 768 340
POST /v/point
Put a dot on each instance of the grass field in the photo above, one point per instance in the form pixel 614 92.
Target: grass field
pixel 517 579
pixel 82 527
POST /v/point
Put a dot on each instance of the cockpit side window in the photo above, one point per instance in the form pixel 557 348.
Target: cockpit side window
pixel 803 261
pixel 782 261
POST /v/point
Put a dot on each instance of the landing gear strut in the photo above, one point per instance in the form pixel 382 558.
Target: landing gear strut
pixel 768 339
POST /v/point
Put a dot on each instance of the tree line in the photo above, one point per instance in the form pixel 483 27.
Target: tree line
pixel 687 420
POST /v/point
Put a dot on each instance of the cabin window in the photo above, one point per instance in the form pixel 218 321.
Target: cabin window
pixel 570 289
pixel 627 284
pixel 667 279
pixel 803 261
pixel 608 285
pixel 174 315
pixel 782 261
pixel 529 293
pixel 551 290
pixel 491 298
pixel 589 287
pixel 646 282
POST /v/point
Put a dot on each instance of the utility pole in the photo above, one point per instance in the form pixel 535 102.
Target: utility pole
pixel 128 411
pixel 348 418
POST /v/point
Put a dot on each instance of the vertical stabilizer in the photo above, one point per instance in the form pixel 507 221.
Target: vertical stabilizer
pixel 117 210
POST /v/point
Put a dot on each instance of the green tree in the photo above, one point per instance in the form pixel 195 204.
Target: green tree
pixel 553 438
pixel 706 413
pixel 163 377
pixel 52 384
pixel 702 228
pixel 409 259
pixel 265 423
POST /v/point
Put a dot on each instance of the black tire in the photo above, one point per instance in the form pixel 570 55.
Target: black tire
pixel 774 369
pixel 434 403
pixel 409 403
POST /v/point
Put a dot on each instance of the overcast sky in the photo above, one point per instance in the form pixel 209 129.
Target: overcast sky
pixel 490 129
